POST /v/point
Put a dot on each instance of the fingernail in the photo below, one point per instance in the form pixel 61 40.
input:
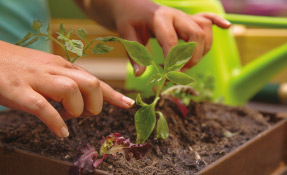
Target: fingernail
pixel 65 132
pixel 227 22
pixel 136 69
pixel 128 100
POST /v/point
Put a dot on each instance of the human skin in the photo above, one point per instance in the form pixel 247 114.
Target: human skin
pixel 30 78
pixel 138 20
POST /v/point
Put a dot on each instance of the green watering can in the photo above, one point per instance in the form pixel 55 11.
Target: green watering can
pixel 232 82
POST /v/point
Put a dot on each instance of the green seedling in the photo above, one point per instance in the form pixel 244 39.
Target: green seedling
pixel 145 117
pixel 78 47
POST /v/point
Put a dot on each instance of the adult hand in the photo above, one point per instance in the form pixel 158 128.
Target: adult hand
pixel 139 20
pixel 29 78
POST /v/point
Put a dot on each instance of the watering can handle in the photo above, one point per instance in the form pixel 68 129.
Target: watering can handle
pixel 260 21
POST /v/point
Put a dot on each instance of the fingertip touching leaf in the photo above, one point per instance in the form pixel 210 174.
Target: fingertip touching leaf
pixel 180 78
pixel 138 52
pixel 101 49
pixel 37 24
pixel 145 122
pixel 179 56
pixel 82 33
pixel 162 130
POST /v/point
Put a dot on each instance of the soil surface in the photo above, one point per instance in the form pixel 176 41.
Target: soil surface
pixel 207 133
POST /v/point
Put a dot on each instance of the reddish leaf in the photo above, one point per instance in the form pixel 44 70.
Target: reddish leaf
pixel 180 105
pixel 111 145
pixel 85 164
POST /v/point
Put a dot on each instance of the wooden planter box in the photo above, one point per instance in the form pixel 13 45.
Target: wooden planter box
pixel 264 154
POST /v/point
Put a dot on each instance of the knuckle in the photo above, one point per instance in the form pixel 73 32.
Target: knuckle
pixel 201 34
pixel 206 22
pixel 93 83
pixel 70 86
pixel 62 61
pixel 160 12
pixel 36 103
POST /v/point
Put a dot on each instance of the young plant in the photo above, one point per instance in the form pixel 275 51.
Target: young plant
pixel 78 47
pixel 111 145
pixel 145 117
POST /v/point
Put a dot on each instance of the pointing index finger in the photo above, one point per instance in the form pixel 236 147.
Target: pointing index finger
pixel 217 20
pixel 115 98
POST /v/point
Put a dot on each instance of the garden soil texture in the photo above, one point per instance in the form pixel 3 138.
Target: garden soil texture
pixel 208 132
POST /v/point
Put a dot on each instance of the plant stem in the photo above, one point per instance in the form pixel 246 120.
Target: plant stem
pixel 160 87
pixel 67 55
pixel 87 47
pixel 56 41
pixel 51 38
pixel 156 67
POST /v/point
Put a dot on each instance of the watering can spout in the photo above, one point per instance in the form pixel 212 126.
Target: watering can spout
pixel 247 81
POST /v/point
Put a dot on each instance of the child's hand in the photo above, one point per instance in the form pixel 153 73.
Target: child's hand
pixel 139 20
pixel 30 78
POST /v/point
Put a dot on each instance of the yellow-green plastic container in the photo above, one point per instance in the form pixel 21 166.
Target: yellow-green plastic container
pixel 233 83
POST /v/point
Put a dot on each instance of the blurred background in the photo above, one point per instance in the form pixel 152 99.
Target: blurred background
pixel 252 42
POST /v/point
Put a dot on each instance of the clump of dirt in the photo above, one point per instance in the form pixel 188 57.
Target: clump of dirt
pixel 207 133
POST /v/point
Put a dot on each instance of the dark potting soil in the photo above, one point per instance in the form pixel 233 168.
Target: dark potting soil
pixel 207 133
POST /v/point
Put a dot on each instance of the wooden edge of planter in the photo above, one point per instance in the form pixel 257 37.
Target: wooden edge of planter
pixel 14 161
pixel 267 150
pixel 243 160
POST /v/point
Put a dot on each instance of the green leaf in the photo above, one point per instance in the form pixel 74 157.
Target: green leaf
pixel 145 122
pixel 180 78
pixel 62 29
pixel 75 46
pixel 135 50
pixel 25 38
pixel 82 33
pixel 179 56
pixel 162 127
pixel 109 39
pixel 62 37
pixel 138 52
pixel 101 49
pixel 33 40
pixel 139 101
pixel 69 34
pixel 37 24
pixel 155 78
